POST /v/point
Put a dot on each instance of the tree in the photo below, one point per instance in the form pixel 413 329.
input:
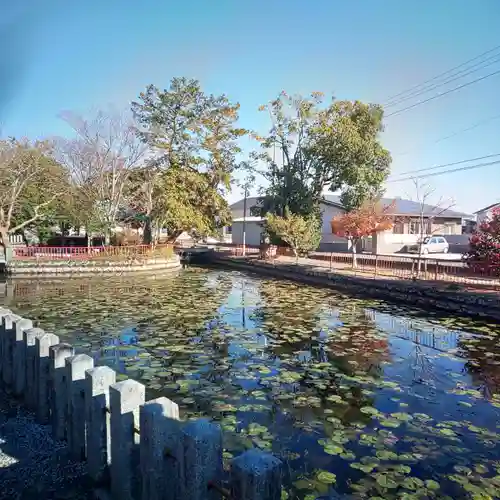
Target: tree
pixel 32 185
pixel 101 158
pixel 196 135
pixel 371 218
pixel 302 233
pixel 310 148
pixel 185 200
pixel 484 246
pixel 424 223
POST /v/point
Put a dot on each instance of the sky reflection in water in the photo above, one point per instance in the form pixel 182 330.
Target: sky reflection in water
pixel 356 396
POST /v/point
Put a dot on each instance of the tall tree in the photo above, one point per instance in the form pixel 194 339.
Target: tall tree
pixel 195 135
pixel 311 148
pixel 101 158
pixel 32 185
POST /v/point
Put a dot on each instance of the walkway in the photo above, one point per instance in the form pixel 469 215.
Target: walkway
pixel 32 465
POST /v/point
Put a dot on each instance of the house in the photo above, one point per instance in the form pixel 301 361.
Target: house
pixel 406 231
pixel 485 213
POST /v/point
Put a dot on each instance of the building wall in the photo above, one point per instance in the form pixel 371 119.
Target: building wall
pixel 253 231
pixel 483 215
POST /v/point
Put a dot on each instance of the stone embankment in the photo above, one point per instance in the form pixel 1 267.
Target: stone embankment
pixel 131 448
pixel 442 296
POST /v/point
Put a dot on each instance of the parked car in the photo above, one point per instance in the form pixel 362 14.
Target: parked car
pixel 431 244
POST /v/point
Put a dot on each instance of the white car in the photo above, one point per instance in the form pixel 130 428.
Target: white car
pixel 431 244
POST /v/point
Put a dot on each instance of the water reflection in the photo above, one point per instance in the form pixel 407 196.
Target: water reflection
pixel 387 398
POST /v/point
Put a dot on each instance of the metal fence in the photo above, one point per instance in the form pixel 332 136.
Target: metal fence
pixel 425 267
pixel 136 449
pixel 85 253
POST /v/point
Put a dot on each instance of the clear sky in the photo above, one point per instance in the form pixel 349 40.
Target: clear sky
pixel 85 54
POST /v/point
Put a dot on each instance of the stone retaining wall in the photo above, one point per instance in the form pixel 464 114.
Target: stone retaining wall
pixel 39 267
pixel 484 305
pixel 133 448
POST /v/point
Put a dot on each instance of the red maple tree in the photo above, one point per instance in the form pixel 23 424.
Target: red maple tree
pixel 484 246
pixel 369 219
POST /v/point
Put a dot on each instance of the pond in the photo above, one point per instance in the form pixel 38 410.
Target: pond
pixel 357 397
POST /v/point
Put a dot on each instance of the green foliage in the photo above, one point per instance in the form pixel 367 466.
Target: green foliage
pixel 34 188
pixel 195 137
pixel 184 200
pixel 311 148
pixel 303 234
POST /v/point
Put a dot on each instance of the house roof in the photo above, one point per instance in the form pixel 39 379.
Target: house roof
pixel 408 207
pixel 489 207
pixel 402 207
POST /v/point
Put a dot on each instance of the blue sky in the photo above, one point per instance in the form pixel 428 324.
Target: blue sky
pixel 85 55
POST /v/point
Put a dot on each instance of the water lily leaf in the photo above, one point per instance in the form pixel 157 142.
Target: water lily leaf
pixel 432 485
pixel 369 410
pixel 333 450
pixel 326 477
pixel 386 482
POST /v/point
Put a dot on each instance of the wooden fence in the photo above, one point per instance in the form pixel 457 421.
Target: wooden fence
pixel 135 449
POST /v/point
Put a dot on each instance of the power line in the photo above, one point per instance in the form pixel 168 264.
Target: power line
pixel 471 167
pixel 443 74
pixel 452 78
pixel 443 93
pixel 454 134
pixel 448 164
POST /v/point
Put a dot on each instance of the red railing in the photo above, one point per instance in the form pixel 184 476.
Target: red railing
pixel 373 266
pixel 84 253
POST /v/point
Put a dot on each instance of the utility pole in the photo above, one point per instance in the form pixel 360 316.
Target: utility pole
pixel 245 196
pixel 245 185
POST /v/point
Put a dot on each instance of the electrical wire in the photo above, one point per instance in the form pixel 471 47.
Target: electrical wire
pixel 454 134
pixel 443 74
pixel 443 94
pixel 453 78
pixel 434 174
pixel 436 167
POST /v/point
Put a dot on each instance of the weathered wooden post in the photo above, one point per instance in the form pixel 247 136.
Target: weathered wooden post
pixel 97 383
pixel 256 475
pixel 125 399
pixel 202 460
pixel 59 390
pixel 76 366
pixel 31 387
pixel 42 367
pixel 19 356
pixel 161 450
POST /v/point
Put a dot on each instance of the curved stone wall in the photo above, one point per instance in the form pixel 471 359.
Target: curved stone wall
pixel 84 267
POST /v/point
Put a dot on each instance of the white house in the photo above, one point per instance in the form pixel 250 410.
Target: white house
pixel 485 213
pixel 405 231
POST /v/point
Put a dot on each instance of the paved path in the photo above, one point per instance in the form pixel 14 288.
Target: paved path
pixel 32 465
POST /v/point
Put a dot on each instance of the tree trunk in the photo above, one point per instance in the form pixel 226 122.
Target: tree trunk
pixel 354 254
pixel 147 236
pixel 173 236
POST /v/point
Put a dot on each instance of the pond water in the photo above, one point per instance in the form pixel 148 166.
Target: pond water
pixel 357 397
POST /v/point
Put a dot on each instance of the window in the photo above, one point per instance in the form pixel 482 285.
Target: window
pixel 449 228
pixel 229 229
pixel 398 228
pixel 414 226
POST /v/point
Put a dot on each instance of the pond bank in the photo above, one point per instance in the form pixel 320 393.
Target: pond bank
pixel 436 296
pixel 79 267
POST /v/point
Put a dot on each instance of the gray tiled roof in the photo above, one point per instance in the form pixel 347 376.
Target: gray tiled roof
pixel 409 207
pixel 403 207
